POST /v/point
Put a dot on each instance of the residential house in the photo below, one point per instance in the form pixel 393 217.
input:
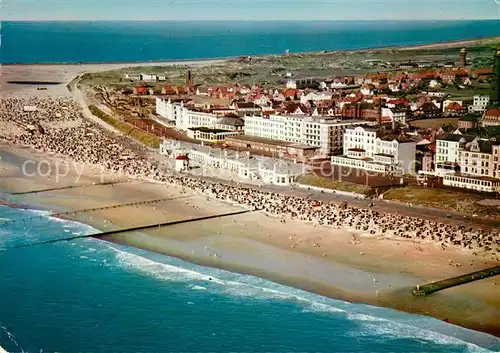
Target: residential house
pixel 290 94
pixel 394 86
pixel 428 110
pixel 141 90
pixel 149 77
pixel 367 89
pixel 454 109
pixel 133 77
pixel 479 104
pixel 491 117
pixel 398 114
pixel 392 103
pixel 296 109
pixel 167 90
pixel 202 91
pixel 467 122
pixel 244 108
pixel 315 97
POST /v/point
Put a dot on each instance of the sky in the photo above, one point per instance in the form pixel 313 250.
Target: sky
pixel 154 10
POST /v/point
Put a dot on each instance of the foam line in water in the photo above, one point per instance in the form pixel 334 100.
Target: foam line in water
pixel 12 338
pixel 393 330
pixel 253 287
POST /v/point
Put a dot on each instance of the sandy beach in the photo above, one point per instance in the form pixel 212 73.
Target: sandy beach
pixel 348 264
pixel 315 258
pixel 62 74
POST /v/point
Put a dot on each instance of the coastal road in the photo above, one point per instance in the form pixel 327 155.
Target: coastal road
pixel 379 205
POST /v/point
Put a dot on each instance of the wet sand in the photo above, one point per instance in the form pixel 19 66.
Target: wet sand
pixel 62 74
pixel 374 270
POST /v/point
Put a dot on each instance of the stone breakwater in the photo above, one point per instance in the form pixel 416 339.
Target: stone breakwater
pixel 64 131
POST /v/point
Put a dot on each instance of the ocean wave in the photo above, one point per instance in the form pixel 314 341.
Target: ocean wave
pixel 11 338
pixel 227 283
pixel 256 288
pixel 246 286
pixel 393 330
pixel 198 288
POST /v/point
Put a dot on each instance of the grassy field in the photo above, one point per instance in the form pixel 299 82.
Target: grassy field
pixel 450 200
pixel 271 70
pixel 138 135
pixel 434 123
pixel 314 180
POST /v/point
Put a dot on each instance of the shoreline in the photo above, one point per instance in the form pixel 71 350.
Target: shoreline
pixel 244 246
pixel 468 335
pixel 194 61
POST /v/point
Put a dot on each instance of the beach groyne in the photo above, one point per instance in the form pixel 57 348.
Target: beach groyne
pixel 23 221
pixel 68 187
pixel 101 235
pixel 433 287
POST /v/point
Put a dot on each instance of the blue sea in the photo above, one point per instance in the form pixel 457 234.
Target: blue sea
pixel 92 296
pixel 101 41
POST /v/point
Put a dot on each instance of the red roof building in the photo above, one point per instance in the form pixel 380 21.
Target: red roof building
pixel 143 90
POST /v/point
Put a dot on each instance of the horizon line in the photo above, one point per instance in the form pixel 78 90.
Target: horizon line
pixel 256 20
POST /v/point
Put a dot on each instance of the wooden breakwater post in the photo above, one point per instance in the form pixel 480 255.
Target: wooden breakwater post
pixel 429 288
pixel 100 235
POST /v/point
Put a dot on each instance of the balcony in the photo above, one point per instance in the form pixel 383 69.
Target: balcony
pixel 357 153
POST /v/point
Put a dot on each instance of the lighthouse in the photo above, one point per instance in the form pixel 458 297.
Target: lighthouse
pixel 462 62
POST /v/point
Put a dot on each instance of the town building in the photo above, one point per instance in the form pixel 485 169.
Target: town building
pixel 185 118
pixel 133 77
pixel 369 149
pixel 479 167
pixel 464 181
pixel 234 164
pixel 326 133
pixel 479 104
pixel 244 108
pixel 448 149
pixel 454 109
pixel 210 135
pixel 467 122
pixel 282 149
pixel 428 110
pixel 399 114
pixel 149 77
pixel 322 132
pixel 480 157
pixel 491 117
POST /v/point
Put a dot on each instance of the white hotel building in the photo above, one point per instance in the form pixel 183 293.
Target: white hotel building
pixel 468 162
pixel 235 165
pixel 364 149
pixel 185 118
pixel 323 132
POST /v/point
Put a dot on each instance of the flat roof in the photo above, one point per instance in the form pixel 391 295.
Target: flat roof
pixel 482 178
pixel 207 129
pixel 270 141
